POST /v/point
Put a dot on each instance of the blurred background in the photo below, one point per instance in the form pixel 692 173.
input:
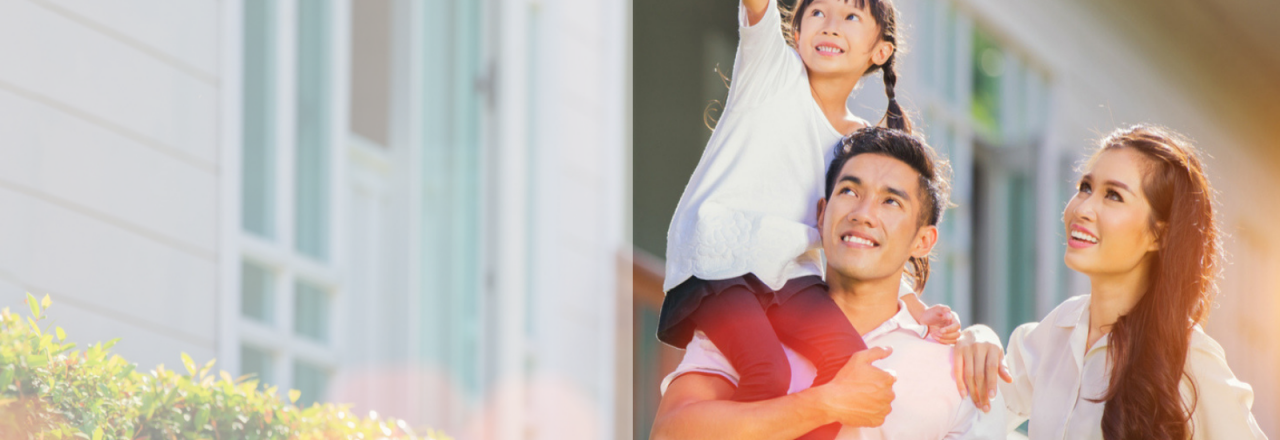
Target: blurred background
pixel 1014 93
pixel 419 207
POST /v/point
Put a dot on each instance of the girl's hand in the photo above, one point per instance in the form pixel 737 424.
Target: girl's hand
pixel 944 324
pixel 979 359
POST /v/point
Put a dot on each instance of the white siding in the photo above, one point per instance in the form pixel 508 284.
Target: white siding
pixel 109 178
pixel 108 81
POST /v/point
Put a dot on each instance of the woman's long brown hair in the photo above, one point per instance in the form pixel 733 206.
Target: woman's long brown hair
pixel 1148 345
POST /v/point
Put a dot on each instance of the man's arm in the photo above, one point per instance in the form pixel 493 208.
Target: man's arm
pixel 696 406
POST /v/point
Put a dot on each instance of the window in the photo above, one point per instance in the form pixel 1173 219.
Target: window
pixel 450 315
pixel 256 361
pixel 256 300
pixel 371 28
pixel 313 120
pixel 286 278
pixel 310 381
pixel 310 312
pixel 258 152
pixel 985 105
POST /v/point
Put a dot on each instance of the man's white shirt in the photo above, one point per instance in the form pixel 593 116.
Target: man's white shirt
pixel 926 403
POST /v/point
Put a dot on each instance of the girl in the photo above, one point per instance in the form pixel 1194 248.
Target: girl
pixel 1129 360
pixel 743 262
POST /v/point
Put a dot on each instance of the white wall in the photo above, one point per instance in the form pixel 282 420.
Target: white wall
pixel 579 119
pixel 110 171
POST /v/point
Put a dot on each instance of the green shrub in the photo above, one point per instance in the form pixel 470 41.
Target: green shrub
pixel 52 391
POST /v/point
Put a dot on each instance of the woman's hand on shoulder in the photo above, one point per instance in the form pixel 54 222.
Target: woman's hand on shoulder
pixel 979 360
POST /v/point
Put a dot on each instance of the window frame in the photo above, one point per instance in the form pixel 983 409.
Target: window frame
pixel 278 253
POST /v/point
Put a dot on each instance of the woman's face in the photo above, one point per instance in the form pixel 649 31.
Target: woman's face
pixel 1108 221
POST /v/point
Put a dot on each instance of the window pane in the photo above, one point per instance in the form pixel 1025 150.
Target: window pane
pixel 451 177
pixel 928 44
pixel 257 362
pixel 647 366
pixel 311 381
pixel 311 218
pixel 256 297
pixel 1067 176
pixel 311 311
pixel 988 70
pixel 1022 251
pixel 371 69
pixel 258 152
pixel 950 61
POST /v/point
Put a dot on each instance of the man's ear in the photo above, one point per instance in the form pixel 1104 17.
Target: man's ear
pixel 926 238
pixel 881 52
pixel 822 209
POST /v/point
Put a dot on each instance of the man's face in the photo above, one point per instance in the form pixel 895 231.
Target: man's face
pixel 871 223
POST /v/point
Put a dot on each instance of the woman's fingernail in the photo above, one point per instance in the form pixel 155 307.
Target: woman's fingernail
pixel 992 394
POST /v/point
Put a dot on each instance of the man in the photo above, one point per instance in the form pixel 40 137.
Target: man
pixel 885 194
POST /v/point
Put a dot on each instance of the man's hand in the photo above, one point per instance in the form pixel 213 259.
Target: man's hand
pixel 979 359
pixel 944 324
pixel 860 393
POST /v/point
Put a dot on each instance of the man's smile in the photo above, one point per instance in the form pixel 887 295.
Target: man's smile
pixel 858 240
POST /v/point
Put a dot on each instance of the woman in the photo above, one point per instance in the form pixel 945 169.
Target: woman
pixel 1129 360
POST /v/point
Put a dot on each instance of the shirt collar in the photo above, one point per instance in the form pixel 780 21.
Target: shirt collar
pixel 1076 318
pixel 1074 315
pixel 901 320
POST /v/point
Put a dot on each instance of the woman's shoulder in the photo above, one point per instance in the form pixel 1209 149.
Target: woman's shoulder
pixel 1223 402
pixel 1203 348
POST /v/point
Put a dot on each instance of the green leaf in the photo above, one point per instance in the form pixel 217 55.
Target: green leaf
pixel 97 433
pixel 205 370
pixel 125 371
pixel 35 307
pixel 37 360
pixel 190 364
pixel 62 336
pixel 294 395
pixel 34 326
pixel 202 417
pixel 46 302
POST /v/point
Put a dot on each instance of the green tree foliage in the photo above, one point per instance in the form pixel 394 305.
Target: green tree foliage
pixel 53 391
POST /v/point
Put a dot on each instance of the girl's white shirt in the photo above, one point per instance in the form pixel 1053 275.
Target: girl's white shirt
pixel 751 204
pixel 1054 377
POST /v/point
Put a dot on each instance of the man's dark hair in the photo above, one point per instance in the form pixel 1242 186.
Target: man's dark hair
pixel 935 175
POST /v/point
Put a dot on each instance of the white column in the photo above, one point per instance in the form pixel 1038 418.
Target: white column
pixel 229 115
pixel 616 328
pixel 507 222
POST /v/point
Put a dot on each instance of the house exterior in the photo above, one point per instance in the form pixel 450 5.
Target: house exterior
pixel 415 207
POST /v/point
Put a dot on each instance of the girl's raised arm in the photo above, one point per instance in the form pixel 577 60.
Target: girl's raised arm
pixel 755 10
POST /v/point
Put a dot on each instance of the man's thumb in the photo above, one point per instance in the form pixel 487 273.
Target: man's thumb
pixel 874 354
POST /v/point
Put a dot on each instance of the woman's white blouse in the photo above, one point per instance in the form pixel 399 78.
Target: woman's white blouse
pixel 1054 377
